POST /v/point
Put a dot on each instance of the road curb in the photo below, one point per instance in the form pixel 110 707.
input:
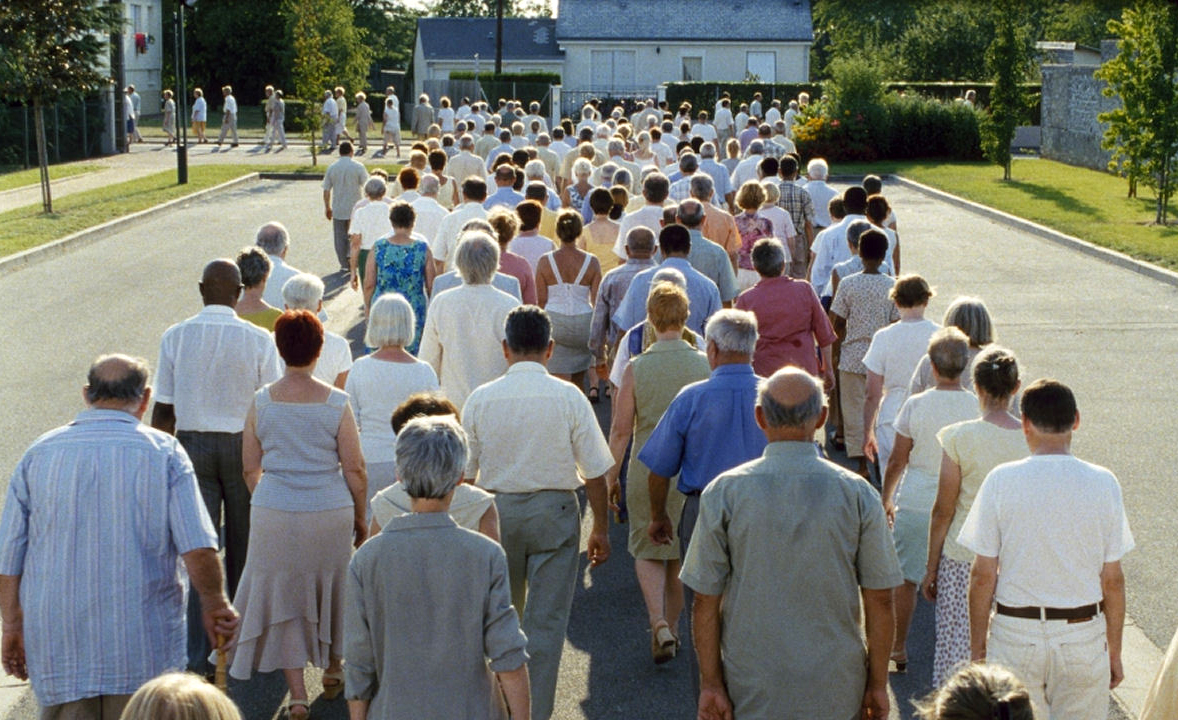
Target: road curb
pixel 1113 257
pixel 25 258
pixel 290 176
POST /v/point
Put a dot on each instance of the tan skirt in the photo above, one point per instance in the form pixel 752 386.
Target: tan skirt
pixel 291 595
pixel 638 509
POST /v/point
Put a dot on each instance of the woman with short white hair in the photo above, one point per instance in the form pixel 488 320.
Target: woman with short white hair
pixel 574 194
pixel 305 292
pixel 779 217
pixel 383 380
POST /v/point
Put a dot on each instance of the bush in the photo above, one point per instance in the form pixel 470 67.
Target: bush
pixel 523 77
pixel 703 95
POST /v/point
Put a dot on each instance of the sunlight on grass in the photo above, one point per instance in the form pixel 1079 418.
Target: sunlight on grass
pixel 20 178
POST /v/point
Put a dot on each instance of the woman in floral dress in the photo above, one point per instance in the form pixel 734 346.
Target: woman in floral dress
pixel 403 264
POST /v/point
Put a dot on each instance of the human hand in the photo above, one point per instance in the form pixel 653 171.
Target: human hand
pixel 12 650
pixel 615 495
pixel 875 704
pixel 660 530
pixel 327 212
pixel 220 622
pixel 890 511
pixel 355 281
pixel 359 531
pixel 714 704
pixel 928 586
pixel 1117 671
pixel 598 550
pixel 828 379
pixel 870 446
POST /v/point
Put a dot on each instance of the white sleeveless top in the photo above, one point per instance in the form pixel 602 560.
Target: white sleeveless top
pixel 569 298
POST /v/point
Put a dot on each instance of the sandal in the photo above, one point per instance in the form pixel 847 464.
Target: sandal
pixel 304 715
pixel 333 690
pixel 900 663
pixel 594 395
pixel 663 644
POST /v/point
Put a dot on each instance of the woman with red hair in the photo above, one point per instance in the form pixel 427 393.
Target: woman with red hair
pixel 302 461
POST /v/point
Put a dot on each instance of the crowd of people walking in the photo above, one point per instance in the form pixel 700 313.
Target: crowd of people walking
pixel 410 521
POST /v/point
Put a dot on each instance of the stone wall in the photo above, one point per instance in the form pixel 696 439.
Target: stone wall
pixel 1071 101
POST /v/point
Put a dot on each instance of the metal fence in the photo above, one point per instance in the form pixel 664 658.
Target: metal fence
pixel 74 130
pixel 571 101
pixel 489 91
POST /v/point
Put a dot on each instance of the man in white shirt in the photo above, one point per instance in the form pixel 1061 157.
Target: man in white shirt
pixel 305 292
pixel 209 368
pixel 655 189
pixel 464 110
pixel 791 118
pixel 830 246
pixel 755 106
pixel 724 123
pixel 532 438
pixel 702 128
pixel 1056 527
pixel 546 155
pixel 328 112
pixel 463 333
pixel 535 116
pixel 275 241
pixel 466 162
pixel 721 181
pixel 560 147
pixel 747 169
pixel 773 114
pixel 658 146
pixel 821 193
pixel 474 194
pixel 430 212
pixel 228 117
pixel 343 185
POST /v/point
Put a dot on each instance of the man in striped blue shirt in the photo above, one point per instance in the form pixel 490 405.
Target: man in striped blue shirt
pixel 96 516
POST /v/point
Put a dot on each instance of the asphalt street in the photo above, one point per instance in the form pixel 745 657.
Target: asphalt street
pixel 1102 329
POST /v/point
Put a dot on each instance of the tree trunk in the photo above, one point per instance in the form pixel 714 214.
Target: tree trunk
pixel 1006 169
pixel 42 156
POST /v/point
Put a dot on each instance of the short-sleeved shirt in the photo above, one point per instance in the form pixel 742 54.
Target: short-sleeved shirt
pixel 894 353
pixel 96 517
pixel 702 293
pixel 791 640
pixel 920 418
pixel 708 429
pixel 563 442
pixel 790 324
pixel 1052 521
pixel 370 222
pixel 345 179
pixel 712 260
pixel 977 447
pixel 862 300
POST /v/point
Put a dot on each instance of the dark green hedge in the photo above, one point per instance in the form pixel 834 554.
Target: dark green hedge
pixel 525 77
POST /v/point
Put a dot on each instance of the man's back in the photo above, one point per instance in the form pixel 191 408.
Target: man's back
pixel 463 336
pixel 104 599
pixel 788 540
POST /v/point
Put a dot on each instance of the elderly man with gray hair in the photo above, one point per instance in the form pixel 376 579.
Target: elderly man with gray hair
pixel 275 241
pixel 429 211
pixel 463 334
pixel 688 166
pixel 428 624
pixel 105 507
pixel 709 258
pixel 770 590
pixel 817 171
pixel 721 180
pixel 604 332
pixel 305 292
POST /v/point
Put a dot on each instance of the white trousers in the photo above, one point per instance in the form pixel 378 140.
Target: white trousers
pixel 1064 665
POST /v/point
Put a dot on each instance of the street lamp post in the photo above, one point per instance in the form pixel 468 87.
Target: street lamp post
pixel 181 94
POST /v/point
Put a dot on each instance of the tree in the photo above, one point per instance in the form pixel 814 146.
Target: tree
pixel 390 29
pixel 487 8
pixel 946 41
pixel 230 42
pixel 1007 61
pixel 50 48
pixel 1143 132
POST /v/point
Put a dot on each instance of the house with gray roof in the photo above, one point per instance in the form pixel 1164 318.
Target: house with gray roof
pixel 633 46
pixel 447 44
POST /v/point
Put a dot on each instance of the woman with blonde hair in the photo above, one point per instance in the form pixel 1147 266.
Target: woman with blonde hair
pixel 752 227
pixel 179 696
pixel 649 383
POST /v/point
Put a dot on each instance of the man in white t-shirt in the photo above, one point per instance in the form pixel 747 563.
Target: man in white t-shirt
pixel 1056 527
pixel 305 292
pixel 773 114
pixel 228 117
pixel 703 128
pixel 724 123
pixel 328 113
pixel 429 211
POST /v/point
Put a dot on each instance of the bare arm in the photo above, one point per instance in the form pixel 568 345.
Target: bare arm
pixel 352 462
pixel 358 709
pixel 431 271
pixel 620 429
pixel 944 508
pixel 369 278
pixel 489 523
pixel 879 620
pixel 217 615
pixel 870 411
pixel 1112 585
pixel 599 549
pixel 542 284
pixel 516 692
pixel 163 417
pixel 839 323
pixel 327 203
pixel 12 646
pixel 897 462
pixel 341 380
pixel 594 280
pixel 714 703
pixel 251 450
pixel 983 578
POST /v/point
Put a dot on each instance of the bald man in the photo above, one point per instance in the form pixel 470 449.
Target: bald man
pixel 784 549
pixel 76 519
pixel 210 366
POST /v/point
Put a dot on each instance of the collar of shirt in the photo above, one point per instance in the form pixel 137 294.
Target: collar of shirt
pixel 735 369
pixel 415 521
pixel 640 262
pixel 791 449
pixel 526 366
pixel 224 310
pixel 99 415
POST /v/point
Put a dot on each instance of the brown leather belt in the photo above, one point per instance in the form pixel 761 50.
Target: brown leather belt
pixel 1076 614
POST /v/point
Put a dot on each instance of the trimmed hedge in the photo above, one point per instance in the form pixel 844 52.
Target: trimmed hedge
pixel 523 77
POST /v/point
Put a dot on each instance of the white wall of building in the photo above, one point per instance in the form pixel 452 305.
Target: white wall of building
pixel 644 66
pixel 145 70
pixel 440 69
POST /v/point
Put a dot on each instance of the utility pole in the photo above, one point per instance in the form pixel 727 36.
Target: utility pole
pixel 181 96
pixel 499 37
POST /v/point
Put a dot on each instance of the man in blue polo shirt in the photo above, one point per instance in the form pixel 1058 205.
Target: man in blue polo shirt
pixel 709 428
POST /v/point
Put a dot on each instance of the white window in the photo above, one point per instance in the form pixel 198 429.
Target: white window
pixel 611 70
pixel 762 66
pixel 137 18
pixel 693 68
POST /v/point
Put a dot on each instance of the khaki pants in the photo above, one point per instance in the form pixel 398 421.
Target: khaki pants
pixel 1064 665
pixel 541 535
pixel 228 126
pixel 852 394
pixel 103 707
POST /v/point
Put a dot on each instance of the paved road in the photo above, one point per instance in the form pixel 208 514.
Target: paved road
pixel 1065 314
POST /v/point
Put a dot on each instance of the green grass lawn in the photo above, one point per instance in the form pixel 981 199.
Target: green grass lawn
pixel 28 227
pixel 1088 204
pixel 250 120
pixel 12 178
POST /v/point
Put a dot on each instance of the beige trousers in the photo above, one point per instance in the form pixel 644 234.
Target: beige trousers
pixel 852 395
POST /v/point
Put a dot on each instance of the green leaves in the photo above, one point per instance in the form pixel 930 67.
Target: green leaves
pixel 1007 60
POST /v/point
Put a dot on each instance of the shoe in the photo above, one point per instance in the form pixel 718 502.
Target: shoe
pixel 899 663
pixel 594 395
pixel 233 145
pixel 332 690
pixel 303 714
pixel 663 644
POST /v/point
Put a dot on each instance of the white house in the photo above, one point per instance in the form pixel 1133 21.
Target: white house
pixel 143 64
pixel 447 44
pixel 624 46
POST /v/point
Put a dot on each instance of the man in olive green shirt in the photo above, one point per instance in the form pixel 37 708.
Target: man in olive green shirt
pixel 783 549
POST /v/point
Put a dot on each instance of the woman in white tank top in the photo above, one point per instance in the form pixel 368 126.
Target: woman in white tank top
pixel 569 302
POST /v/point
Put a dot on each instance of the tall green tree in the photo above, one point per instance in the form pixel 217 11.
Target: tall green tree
pixel 1007 61
pixel 311 71
pixel 1143 132
pixel 390 29
pixel 486 8
pixel 51 48
pixel 946 41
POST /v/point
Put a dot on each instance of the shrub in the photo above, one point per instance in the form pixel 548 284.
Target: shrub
pixel 703 95
pixel 523 77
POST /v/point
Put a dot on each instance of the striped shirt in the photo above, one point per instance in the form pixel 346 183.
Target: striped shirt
pixel 97 513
